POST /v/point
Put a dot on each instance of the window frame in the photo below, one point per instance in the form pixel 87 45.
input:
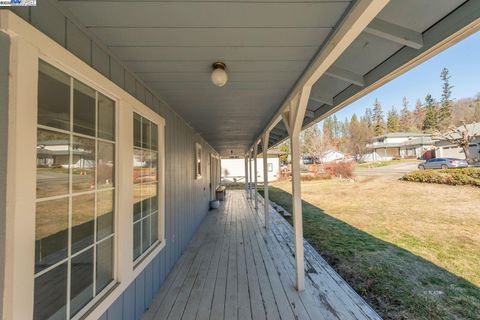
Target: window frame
pixel 27 46
pixel 198 161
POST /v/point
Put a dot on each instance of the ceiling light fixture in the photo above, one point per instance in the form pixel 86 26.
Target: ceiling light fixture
pixel 219 75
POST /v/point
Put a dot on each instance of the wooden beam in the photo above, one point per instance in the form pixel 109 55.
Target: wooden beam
pixel 321 99
pixel 266 201
pixel 395 33
pixel 346 75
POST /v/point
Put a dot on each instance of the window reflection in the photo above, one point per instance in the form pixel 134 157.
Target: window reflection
pixel 83 109
pixel 51 233
pixel 104 264
pixel 104 214
pixel 51 294
pixel 83 164
pixel 83 216
pixel 81 287
pixel 106 118
pixel 53 158
pixel 53 97
pixel 105 165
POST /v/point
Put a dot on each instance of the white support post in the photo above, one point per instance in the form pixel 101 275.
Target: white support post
pixel 255 151
pixel 265 179
pixel 250 174
pixel 293 119
pixel 246 176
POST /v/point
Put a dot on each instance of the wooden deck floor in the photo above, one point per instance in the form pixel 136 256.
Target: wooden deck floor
pixel 234 269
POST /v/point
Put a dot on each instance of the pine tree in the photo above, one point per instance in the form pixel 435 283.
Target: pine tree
pixel 418 115
pixel 378 120
pixel 432 118
pixel 393 123
pixel 406 117
pixel 369 117
pixel 445 112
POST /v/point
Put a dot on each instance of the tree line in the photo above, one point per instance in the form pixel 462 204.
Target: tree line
pixel 431 115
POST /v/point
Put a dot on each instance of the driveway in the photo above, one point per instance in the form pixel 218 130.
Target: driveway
pixel 395 170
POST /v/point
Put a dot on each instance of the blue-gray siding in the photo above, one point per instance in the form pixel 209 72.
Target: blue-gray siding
pixel 186 197
pixel 4 59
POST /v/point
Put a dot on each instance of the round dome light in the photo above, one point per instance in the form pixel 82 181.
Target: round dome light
pixel 219 75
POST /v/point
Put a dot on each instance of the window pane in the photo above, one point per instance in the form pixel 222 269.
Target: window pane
pixel 154 166
pixel 53 97
pixel 137 201
pixel 53 158
pixel 145 234
pixel 104 264
pixel 146 137
pixel 83 164
pixel 83 109
pixel 137 130
pixel 137 240
pixel 154 197
pixel 51 233
pixel 106 165
pixel 148 174
pixel 81 287
pixel 148 191
pixel 154 134
pixel 51 294
pixel 154 229
pixel 83 216
pixel 104 214
pixel 106 118
pixel 138 165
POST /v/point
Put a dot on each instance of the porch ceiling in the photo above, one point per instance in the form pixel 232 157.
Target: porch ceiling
pixel 267 45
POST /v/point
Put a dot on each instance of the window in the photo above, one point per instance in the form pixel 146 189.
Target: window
pixel 198 160
pixel 75 176
pixel 270 167
pixel 145 185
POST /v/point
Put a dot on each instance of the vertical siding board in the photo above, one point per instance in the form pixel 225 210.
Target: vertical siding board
pixel 115 312
pixel 103 317
pixel 117 73
pixel 129 302
pixel 78 43
pixel 148 284
pixel 100 60
pixel 47 18
pixel 140 295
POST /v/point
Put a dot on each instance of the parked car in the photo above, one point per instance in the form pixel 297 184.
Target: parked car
pixel 443 163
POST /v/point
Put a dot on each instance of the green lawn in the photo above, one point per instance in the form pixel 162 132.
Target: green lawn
pixel 399 284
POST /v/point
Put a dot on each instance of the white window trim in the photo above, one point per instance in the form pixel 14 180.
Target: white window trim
pixel 28 45
pixel 198 147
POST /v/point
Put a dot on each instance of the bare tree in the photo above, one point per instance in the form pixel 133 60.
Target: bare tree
pixel 461 136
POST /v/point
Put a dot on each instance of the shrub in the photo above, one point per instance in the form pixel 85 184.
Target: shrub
pixel 340 169
pixel 467 176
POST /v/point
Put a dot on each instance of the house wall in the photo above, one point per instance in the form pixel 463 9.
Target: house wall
pixel 452 151
pixel 186 198
pixel 4 62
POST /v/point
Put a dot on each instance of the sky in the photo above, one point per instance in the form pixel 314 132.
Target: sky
pixel 463 63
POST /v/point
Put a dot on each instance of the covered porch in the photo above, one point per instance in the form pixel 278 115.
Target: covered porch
pixel 233 268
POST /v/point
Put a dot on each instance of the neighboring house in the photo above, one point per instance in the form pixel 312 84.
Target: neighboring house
pixel 332 156
pixel 371 157
pixel 233 170
pixel 402 145
pixel 446 149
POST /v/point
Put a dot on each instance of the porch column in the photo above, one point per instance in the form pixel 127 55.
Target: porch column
pixel 255 151
pixel 265 178
pixel 293 119
pixel 250 174
pixel 246 175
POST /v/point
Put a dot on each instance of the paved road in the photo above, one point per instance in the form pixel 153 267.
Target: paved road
pixel 391 170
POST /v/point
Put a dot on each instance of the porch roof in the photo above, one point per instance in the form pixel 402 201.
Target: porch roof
pixel 234 269
pixel 268 46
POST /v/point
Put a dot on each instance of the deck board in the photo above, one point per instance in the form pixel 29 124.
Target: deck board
pixel 234 269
